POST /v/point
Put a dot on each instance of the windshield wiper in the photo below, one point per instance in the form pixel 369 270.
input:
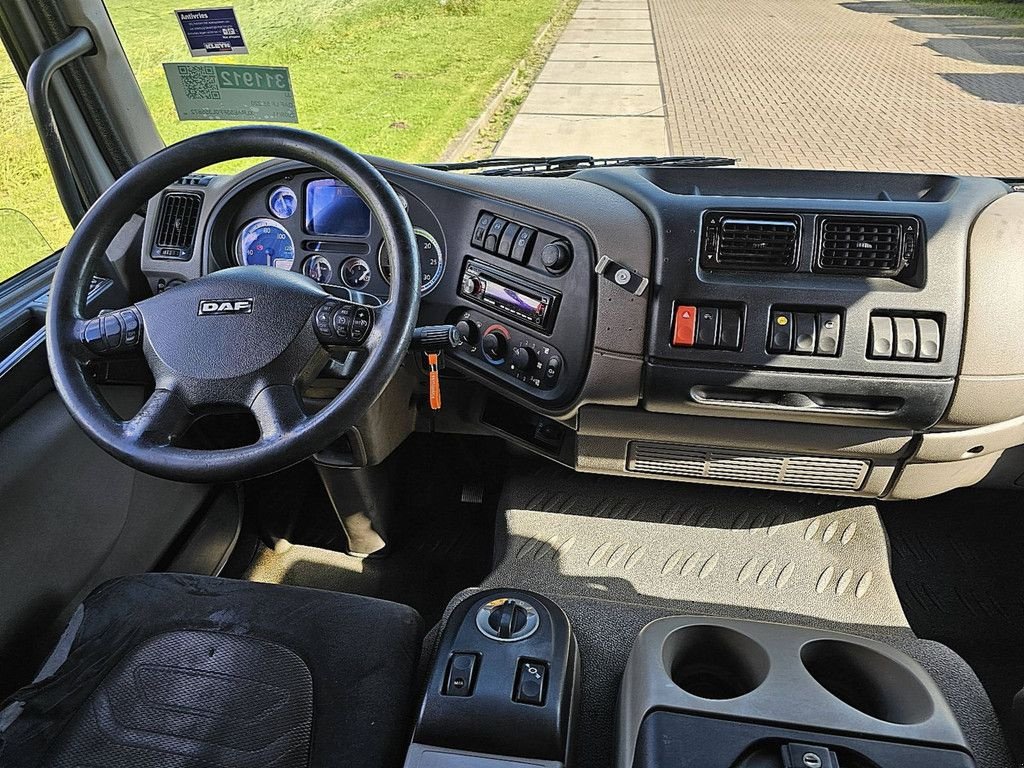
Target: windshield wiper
pixel 569 164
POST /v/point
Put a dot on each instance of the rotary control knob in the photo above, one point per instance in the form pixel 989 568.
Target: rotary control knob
pixel 523 358
pixel 556 256
pixel 495 345
pixel 473 286
pixel 468 330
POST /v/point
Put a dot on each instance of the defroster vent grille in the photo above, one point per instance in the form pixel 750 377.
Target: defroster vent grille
pixel 822 472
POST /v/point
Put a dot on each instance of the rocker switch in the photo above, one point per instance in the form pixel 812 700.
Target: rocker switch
pixel 461 674
pixel 531 680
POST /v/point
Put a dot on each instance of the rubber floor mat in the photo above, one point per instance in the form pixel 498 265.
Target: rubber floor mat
pixel 649 542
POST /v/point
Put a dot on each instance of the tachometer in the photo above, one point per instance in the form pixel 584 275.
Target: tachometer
pixel 431 260
pixel 264 242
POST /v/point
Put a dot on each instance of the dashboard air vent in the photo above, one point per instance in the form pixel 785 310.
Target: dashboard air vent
pixel 176 225
pixel 750 242
pixel 867 245
pixel 822 472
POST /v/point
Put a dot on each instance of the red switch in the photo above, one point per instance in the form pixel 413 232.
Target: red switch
pixel 685 326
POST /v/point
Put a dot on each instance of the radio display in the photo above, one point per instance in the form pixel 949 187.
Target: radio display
pixel 333 208
pixel 514 300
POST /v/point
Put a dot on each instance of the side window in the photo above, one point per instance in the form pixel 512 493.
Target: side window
pixel 32 221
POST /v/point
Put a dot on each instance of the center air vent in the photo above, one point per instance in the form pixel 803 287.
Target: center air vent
pixel 750 242
pixel 176 225
pixel 866 245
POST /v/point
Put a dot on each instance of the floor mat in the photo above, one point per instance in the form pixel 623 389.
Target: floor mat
pixel 423 570
pixel 616 553
pixel 656 542
pixel 956 563
pixel 440 538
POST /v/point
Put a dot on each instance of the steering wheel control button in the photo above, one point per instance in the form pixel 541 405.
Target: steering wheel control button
pixel 882 339
pixel 507 619
pixel 707 326
pixel 780 332
pixel 531 682
pixel 805 333
pixel 830 331
pixel 112 332
pixel 929 337
pixel 461 674
pixel 684 328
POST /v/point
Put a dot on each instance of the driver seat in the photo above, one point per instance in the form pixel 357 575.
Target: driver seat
pixel 181 671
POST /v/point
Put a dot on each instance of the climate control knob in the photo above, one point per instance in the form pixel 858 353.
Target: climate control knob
pixel 523 358
pixel 495 346
pixel 469 331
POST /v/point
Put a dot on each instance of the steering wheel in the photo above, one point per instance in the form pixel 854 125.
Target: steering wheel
pixel 239 338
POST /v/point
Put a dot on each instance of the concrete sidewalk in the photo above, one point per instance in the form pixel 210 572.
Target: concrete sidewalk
pixel 599 93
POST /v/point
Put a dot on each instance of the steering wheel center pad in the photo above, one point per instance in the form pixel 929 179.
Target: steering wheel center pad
pixel 235 328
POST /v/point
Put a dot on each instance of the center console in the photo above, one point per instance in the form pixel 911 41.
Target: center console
pixel 503 687
pixel 721 693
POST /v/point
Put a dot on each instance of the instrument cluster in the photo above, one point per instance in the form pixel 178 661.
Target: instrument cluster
pixel 319 226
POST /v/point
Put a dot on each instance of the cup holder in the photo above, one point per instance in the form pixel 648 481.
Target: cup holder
pixel 715 662
pixel 868 681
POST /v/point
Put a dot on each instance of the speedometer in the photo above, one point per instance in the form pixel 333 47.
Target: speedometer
pixel 431 260
pixel 265 243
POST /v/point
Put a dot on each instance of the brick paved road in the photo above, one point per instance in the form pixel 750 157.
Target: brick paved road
pixel 859 84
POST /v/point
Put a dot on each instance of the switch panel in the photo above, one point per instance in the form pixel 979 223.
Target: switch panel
pixel 805 331
pixel 899 337
pixel 707 327
pixel 501 237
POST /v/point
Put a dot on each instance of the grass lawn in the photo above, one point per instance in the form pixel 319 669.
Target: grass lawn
pixel 399 78
pixel 1000 9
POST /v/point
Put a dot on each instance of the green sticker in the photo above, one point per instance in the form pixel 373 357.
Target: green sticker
pixel 231 92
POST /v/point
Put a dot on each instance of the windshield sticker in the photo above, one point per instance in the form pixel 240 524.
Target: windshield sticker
pixel 232 92
pixel 211 31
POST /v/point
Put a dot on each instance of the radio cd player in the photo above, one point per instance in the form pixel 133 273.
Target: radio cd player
pixel 526 302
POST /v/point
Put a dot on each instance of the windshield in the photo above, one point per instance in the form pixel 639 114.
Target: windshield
pixel 861 85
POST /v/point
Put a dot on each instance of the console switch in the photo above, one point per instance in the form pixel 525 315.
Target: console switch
pixel 684 328
pixel 531 681
pixel 730 329
pixel 461 675
pixel 780 332
pixel 905 338
pixel 830 331
pixel 707 326
pixel 805 333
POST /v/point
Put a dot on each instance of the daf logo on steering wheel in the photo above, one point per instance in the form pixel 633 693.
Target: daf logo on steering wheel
pixel 225 306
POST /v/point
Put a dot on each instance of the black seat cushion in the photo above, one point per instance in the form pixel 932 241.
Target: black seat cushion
pixel 178 671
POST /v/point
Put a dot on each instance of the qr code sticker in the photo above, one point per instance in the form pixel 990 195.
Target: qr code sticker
pixel 200 82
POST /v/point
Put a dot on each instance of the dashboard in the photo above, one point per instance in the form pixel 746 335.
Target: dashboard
pixel 793 329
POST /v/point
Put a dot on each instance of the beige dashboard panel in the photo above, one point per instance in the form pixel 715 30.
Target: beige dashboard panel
pixel 990 386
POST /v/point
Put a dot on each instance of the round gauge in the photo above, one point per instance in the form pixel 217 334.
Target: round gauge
pixel 318 268
pixel 431 260
pixel 265 243
pixel 282 202
pixel 355 273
